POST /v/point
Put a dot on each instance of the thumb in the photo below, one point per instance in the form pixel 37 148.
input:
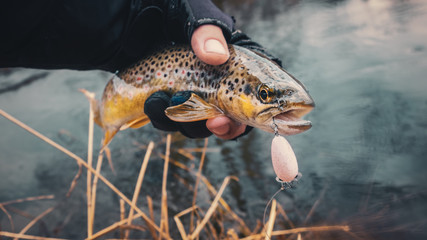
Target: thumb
pixel 209 44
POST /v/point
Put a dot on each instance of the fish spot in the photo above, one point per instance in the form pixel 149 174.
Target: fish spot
pixel 231 87
pixel 236 80
pixel 247 89
pixel 231 98
pixel 139 80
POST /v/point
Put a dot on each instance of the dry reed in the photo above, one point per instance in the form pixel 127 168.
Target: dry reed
pixel 162 231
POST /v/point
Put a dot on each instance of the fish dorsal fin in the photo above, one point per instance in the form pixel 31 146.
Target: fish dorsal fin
pixel 136 123
pixel 194 109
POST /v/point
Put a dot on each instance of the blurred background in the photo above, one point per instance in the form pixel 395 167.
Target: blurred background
pixel 363 162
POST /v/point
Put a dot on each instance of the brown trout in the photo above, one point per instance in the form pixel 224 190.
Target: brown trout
pixel 249 88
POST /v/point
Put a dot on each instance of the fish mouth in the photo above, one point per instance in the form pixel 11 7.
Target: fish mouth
pixel 290 121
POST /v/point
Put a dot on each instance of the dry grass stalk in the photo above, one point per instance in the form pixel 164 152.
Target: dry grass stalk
pixel 89 174
pixel 12 225
pixel 344 228
pixel 28 199
pixel 178 222
pixel 164 225
pixel 20 212
pixel 113 227
pixel 211 209
pixel 204 149
pixel 245 229
pixel 139 183
pixel 24 236
pixel 94 187
pixel 29 225
pixel 271 220
pixel 196 185
pixel 186 154
pixel 283 213
pixel 151 212
pixel 314 207
pixel 122 217
pixel 232 234
pixel 74 181
pixel 82 162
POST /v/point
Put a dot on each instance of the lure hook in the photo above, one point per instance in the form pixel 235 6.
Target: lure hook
pixel 287 185
pixel 275 128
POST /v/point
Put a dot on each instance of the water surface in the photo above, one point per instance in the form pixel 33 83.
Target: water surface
pixel 363 162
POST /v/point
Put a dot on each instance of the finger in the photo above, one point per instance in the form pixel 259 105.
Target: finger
pixel 154 108
pixel 225 128
pixel 209 44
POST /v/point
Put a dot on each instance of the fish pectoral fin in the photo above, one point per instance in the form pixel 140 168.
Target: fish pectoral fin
pixel 108 136
pixel 137 123
pixel 194 109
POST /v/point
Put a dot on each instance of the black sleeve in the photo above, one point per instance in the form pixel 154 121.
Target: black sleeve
pixel 97 34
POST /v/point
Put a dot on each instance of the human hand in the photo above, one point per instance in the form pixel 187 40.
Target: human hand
pixel 209 45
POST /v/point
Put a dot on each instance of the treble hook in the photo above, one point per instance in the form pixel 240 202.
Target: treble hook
pixel 287 185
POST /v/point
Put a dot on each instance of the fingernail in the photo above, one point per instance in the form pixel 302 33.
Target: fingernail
pixel 214 46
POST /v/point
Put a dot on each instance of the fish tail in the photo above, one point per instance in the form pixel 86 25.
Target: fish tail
pixel 94 104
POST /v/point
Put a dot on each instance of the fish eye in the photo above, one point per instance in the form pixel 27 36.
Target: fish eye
pixel 265 94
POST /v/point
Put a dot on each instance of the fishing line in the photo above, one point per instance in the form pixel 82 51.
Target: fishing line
pixel 283 186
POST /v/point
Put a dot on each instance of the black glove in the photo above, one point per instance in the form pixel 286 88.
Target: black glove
pixel 155 107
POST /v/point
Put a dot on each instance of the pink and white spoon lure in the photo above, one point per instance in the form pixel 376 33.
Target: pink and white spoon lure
pixel 284 161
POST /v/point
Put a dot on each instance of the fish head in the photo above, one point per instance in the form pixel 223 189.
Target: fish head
pixel 267 97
